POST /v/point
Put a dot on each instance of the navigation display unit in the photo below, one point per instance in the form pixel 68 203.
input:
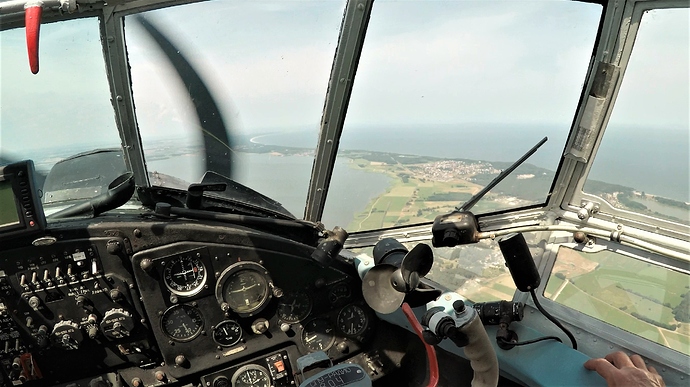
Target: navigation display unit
pixel 21 212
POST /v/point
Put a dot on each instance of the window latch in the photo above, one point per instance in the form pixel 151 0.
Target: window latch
pixel 587 209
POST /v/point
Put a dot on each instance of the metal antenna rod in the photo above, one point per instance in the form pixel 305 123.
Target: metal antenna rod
pixel 474 199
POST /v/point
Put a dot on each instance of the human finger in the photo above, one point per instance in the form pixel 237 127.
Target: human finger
pixel 638 362
pixel 602 366
pixel 619 359
pixel 653 370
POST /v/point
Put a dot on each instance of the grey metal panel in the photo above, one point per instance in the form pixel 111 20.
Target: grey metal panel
pixel 350 44
pixel 115 53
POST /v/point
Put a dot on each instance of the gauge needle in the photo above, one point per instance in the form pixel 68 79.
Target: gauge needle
pixel 309 340
pixel 244 289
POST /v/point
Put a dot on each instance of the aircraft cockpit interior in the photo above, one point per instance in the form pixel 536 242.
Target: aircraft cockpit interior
pixel 273 193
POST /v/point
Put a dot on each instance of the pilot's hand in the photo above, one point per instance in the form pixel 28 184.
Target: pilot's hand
pixel 620 370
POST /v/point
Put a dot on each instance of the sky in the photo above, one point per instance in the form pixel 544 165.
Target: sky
pixel 268 62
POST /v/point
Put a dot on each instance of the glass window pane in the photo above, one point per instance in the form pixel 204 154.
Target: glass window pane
pixel 639 297
pixel 267 65
pixel 642 163
pixel 63 110
pixel 449 93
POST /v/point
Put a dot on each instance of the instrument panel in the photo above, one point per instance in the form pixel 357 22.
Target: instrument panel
pixel 250 299
pixel 150 308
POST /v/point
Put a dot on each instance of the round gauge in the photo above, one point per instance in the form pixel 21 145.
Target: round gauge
pixel 227 333
pixel 245 287
pixel 352 320
pixel 184 275
pixel 317 335
pixel 294 307
pixel 252 375
pixel 338 293
pixel 182 322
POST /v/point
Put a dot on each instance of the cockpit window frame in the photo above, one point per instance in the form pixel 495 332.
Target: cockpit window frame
pixel 620 49
pixel 659 242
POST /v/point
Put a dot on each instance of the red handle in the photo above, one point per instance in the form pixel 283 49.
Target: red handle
pixel 32 21
pixel 430 351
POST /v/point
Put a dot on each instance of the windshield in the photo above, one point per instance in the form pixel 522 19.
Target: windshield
pixel 266 65
pixel 268 68
pixel 448 94
pixel 446 97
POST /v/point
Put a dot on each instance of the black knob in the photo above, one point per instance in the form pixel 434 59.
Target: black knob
pixel 342 347
pixel 113 246
pixel 450 237
pixel 221 381
pixel 181 361
pixel 459 306
pixel 146 264
pixel 99 382
pixel 115 295
pixel 430 338
pixel 82 301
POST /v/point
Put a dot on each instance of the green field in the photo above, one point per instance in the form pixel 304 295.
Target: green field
pixel 631 294
pixel 411 198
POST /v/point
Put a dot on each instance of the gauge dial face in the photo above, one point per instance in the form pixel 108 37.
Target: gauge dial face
pixel 294 307
pixel 227 333
pixel 317 335
pixel 251 375
pixel 185 275
pixel 339 293
pixel 352 320
pixel 182 322
pixel 245 290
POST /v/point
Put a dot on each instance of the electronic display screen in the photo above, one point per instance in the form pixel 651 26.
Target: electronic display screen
pixel 8 205
pixel 21 212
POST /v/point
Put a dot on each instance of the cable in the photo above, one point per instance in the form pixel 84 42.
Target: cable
pixel 529 341
pixel 552 319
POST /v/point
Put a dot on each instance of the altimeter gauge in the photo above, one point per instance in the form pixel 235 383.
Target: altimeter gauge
pixel 245 288
pixel 185 274
pixel 182 322
pixel 251 375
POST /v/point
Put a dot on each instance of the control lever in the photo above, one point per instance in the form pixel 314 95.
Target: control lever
pixel 464 328
pixel 441 325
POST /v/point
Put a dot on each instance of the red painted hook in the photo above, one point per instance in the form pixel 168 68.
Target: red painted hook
pixel 32 21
